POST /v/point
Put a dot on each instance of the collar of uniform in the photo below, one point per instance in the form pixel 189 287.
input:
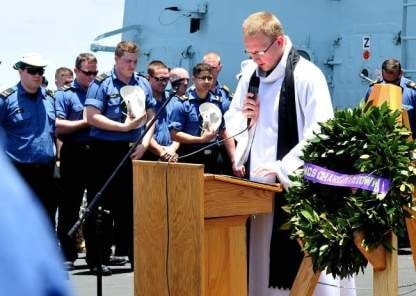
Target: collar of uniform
pixel 23 92
pixel 133 80
pixel 192 95
pixel 76 85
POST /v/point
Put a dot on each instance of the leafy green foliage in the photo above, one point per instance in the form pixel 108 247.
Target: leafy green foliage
pixel 365 139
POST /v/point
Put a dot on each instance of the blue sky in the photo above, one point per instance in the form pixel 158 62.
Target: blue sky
pixel 56 29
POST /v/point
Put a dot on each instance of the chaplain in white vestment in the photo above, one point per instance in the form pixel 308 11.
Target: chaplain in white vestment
pixel 269 49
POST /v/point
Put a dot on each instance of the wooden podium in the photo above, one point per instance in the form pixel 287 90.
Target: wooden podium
pixel 190 229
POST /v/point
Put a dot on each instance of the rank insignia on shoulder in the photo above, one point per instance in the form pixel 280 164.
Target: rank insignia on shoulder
pixel 216 98
pixel 183 97
pixel 65 87
pixel 139 74
pixel 7 92
pixel 376 82
pixel 100 78
pixel 227 90
pixel 411 84
pixel 112 96
pixel 49 92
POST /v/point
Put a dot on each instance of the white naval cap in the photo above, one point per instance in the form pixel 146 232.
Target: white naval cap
pixel 31 59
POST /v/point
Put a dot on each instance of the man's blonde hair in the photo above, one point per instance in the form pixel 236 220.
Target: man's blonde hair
pixel 126 46
pixel 262 22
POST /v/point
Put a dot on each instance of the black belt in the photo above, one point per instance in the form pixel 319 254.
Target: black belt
pixel 29 165
pixel 81 145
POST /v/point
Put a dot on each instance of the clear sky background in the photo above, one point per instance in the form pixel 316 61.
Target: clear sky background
pixel 56 29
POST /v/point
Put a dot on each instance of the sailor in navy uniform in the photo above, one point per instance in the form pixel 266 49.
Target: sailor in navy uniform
pixel 161 145
pixel 392 72
pixel 113 130
pixel 223 95
pixel 75 160
pixel 27 115
pixel 185 122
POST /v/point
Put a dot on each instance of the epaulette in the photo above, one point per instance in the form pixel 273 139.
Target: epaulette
pixel 216 97
pixel 49 92
pixel 100 78
pixel 112 96
pixel 376 82
pixel 183 97
pixel 65 87
pixel 411 84
pixel 7 92
pixel 140 75
pixel 227 90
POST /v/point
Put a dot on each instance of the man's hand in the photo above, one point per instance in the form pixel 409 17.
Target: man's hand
pixel 238 171
pixel 138 152
pixel 208 136
pixel 169 155
pixel 265 170
pixel 251 108
pixel 133 123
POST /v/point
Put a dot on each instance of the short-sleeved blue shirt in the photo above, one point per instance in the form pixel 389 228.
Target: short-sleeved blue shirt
pixel 162 134
pixel 69 105
pixel 105 96
pixel 29 124
pixel 185 116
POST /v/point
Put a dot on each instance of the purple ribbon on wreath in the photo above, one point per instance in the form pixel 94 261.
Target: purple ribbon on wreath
pixel 368 182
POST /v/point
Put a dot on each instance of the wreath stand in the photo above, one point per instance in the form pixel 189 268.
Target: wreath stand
pixel 385 276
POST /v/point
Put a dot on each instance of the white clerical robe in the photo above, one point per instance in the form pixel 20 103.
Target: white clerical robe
pixel 313 105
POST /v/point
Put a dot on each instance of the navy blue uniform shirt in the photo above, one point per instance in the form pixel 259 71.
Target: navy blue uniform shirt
pixel 69 104
pixel 185 116
pixel 105 96
pixel 29 124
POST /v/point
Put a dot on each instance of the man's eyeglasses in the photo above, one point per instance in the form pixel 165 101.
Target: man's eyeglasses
pixel 259 52
pixel 35 70
pixel 203 78
pixel 160 79
pixel 89 73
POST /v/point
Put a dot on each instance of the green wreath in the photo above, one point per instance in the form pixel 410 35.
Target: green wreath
pixel 367 140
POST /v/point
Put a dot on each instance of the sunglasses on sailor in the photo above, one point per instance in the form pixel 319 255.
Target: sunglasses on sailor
pixel 160 79
pixel 88 73
pixel 35 70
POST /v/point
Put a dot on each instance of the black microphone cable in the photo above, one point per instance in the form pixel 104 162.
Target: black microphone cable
pixel 216 142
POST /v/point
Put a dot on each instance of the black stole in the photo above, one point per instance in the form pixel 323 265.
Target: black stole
pixel 285 253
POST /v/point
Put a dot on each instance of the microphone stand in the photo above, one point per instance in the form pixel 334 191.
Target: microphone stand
pixel 97 198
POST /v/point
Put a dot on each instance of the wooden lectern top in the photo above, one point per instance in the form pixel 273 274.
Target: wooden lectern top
pixel 229 196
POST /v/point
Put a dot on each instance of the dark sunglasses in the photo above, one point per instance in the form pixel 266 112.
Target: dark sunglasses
pixel 34 71
pixel 89 73
pixel 160 79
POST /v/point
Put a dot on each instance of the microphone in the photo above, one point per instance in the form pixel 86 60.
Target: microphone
pixel 253 87
pixel 411 84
